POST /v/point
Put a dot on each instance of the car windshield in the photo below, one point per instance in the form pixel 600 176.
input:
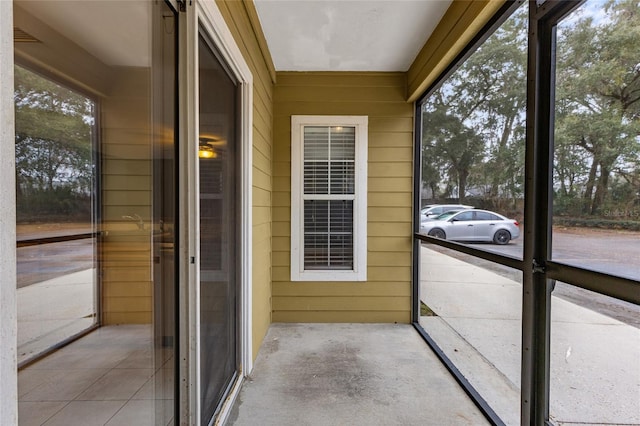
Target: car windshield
pixel 446 215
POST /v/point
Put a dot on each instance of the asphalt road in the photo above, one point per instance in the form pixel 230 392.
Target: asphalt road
pixel 43 262
pixel 609 251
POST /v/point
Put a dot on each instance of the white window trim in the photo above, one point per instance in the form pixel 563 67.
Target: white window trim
pixel 359 272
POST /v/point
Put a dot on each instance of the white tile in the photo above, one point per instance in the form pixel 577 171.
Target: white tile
pixel 139 358
pixel 143 413
pixel 63 385
pixel 29 379
pixel 85 413
pixel 117 384
pixel 77 357
pixel 36 413
pixel 160 386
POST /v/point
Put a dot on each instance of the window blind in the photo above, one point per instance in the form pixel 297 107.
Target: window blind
pixel 328 196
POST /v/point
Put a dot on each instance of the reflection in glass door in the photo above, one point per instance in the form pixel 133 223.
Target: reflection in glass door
pixel 56 215
pixel 218 164
pixel 96 144
pixel 164 233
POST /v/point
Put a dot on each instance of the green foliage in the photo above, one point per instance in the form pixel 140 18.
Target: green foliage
pixel 54 148
pixel 57 204
pixel 474 124
pixel 597 139
pixel 582 222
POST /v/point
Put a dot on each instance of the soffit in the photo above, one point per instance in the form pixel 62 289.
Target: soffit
pixel 347 35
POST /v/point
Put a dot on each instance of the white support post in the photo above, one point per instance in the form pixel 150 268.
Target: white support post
pixel 8 307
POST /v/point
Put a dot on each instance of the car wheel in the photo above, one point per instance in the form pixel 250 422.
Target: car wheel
pixel 438 233
pixel 501 237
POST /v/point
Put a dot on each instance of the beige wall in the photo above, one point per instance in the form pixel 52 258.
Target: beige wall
pixel 385 297
pixel 242 21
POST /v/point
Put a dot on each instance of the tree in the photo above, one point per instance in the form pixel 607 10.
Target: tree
pixel 598 100
pixel 54 150
pixel 473 126
pixel 451 145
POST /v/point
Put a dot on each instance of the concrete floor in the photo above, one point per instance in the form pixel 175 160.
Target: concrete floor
pixel 350 374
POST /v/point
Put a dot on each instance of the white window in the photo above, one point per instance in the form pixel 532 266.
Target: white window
pixel 328 198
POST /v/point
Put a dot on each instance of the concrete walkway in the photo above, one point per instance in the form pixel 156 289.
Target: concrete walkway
pixel 595 360
pixel 54 310
pixel 350 374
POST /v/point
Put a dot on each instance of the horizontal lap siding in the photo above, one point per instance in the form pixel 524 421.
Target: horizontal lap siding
pixel 238 15
pixel 386 296
pixel 126 191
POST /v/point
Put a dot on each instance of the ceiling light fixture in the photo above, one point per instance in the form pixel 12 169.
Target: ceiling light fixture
pixel 206 147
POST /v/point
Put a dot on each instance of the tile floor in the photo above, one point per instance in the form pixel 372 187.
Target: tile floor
pixel 112 376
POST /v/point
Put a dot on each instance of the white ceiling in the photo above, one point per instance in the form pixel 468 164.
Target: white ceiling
pixel 302 35
pixel 347 35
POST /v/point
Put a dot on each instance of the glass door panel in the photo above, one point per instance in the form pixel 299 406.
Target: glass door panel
pixel 100 108
pixel 218 165
pixel 56 219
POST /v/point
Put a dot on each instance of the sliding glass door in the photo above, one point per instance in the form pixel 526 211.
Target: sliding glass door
pixel 219 228
pixel 96 106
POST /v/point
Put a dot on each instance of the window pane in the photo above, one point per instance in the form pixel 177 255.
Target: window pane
pixel 465 216
pixel 473 134
pixel 316 143
pixel 472 308
pixel 595 358
pixel 328 240
pixel 342 177
pixel 316 177
pixel 341 251
pixel 316 251
pixel 343 143
pixel 596 180
pixel 341 217
pixel 316 216
pixel 329 154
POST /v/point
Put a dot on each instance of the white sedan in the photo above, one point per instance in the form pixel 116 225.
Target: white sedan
pixel 472 225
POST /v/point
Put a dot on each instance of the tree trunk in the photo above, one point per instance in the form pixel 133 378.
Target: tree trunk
pixel 602 189
pixel 462 184
pixel 588 192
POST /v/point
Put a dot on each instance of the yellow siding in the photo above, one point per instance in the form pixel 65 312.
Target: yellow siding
pixel 386 296
pixel 462 21
pixel 126 191
pixel 383 316
pixel 241 19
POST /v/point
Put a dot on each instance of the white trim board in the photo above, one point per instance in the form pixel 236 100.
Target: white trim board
pixel 359 271
pixel 207 17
